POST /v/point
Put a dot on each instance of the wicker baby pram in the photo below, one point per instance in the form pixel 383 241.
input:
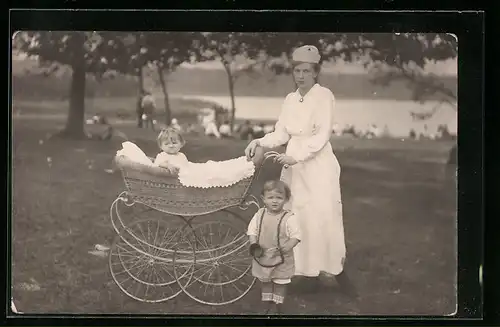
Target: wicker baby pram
pixel 170 252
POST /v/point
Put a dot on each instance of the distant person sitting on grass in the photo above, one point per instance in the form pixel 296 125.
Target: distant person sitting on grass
pixel 258 131
pixel 193 129
pixel 225 129
pixel 350 130
pixel 269 128
pixel 98 128
pixel 337 131
pixel 372 132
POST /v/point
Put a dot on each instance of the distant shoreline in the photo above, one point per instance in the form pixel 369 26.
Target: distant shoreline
pixel 214 83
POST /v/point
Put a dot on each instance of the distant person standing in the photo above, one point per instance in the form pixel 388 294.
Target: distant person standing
pixel 138 107
pixel 412 134
pixel 148 105
pixel 246 132
pixel 209 123
pixel 225 129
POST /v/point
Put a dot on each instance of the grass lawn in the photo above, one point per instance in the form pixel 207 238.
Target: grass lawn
pixel 399 215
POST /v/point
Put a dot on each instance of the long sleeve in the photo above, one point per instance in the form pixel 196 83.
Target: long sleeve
pixel 279 136
pixel 322 129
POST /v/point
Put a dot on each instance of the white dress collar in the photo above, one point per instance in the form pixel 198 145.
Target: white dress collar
pixel 312 88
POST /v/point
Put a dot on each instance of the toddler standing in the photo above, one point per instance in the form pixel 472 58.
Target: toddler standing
pixel 273 233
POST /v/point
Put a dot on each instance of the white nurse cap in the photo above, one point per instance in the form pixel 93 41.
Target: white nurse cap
pixel 306 53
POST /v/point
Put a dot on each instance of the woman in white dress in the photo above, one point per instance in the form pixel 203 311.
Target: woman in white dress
pixel 312 171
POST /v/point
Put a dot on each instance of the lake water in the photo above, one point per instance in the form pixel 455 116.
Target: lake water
pixel 360 113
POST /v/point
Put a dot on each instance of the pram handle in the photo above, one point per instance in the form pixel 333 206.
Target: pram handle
pixel 273 155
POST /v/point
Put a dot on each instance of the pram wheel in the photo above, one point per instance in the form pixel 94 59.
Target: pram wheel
pixel 141 260
pixel 220 271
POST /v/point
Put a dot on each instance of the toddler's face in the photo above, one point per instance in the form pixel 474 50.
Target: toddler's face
pixel 274 200
pixel 171 144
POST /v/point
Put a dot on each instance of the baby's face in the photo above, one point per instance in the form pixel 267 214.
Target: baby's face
pixel 172 144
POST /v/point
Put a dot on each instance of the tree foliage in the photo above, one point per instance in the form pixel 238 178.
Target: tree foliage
pixel 122 52
pixel 393 55
pixel 403 56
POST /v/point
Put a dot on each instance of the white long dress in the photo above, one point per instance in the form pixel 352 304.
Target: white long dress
pixel 314 180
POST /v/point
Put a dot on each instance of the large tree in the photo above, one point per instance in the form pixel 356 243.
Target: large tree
pixel 84 52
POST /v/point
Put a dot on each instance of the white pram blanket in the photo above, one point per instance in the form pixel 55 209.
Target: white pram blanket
pixel 203 175
pixel 216 173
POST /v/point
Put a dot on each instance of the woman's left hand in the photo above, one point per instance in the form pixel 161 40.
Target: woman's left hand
pixel 286 160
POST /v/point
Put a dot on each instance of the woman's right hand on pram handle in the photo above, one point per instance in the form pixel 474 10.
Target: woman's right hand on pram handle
pixel 251 148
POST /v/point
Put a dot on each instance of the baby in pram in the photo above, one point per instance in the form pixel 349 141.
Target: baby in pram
pixel 205 175
pixel 170 141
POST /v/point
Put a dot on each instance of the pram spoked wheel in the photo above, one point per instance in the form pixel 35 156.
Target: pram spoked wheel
pixel 141 260
pixel 219 273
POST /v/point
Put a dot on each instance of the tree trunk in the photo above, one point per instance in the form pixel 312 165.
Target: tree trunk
pixel 75 122
pixel 165 95
pixel 230 80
